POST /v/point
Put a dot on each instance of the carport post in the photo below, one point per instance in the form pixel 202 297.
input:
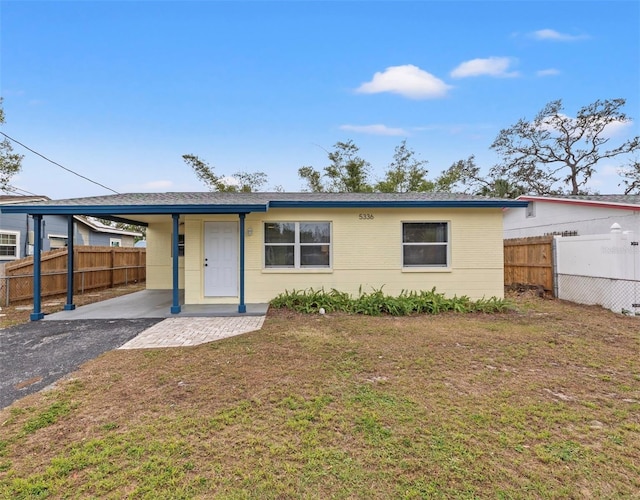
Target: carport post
pixel 175 308
pixel 242 307
pixel 70 306
pixel 37 269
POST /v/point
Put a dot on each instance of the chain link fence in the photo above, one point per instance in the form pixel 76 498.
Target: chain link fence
pixel 618 295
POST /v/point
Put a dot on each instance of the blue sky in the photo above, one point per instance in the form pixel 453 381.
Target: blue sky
pixel 118 91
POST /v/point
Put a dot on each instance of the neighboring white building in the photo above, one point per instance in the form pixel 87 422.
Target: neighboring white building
pixel 572 215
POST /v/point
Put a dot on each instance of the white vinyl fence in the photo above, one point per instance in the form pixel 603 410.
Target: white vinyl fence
pixel 601 269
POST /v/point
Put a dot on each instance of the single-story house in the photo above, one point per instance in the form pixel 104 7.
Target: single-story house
pixel 234 248
pixel 17 231
pixel 572 215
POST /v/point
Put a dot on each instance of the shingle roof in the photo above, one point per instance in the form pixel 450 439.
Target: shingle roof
pixel 13 198
pixel 213 202
pixel 627 200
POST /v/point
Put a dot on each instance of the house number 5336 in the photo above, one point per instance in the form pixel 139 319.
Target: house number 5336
pixel 365 216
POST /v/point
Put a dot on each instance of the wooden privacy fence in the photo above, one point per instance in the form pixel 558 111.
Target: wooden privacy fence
pixel 94 268
pixel 529 261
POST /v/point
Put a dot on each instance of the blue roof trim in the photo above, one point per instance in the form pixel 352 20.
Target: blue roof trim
pixel 161 209
pixel 131 209
pixel 401 204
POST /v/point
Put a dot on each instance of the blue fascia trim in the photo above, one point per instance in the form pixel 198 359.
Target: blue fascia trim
pixel 113 210
pixel 400 204
pixel 131 209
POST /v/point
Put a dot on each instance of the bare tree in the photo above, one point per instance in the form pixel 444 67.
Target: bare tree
pixel 631 177
pixel 555 150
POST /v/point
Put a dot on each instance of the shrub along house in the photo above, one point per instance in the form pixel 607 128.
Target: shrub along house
pixel 234 248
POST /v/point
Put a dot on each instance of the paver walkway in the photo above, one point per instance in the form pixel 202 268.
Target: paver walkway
pixel 179 332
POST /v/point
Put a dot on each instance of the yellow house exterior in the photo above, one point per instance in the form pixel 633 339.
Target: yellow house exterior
pixel 234 248
pixel 366 253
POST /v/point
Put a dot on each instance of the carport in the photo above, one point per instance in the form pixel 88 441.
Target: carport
pixel 133 208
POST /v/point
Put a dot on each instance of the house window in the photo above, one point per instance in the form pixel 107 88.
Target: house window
pixel 425 244
pixel 9 243
pixel 56 241
pixel 531 210
pixel 181 245
pixel 115 242
pixel 297 245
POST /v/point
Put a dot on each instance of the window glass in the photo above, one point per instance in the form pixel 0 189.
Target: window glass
pixel 421 255
pixel 279 256
pixel 314 256
pixel 425 232
pixel 297 244
pixel 8 245
pixel 313 232
pixel 425 244
pixel 7 239
pixel 279 232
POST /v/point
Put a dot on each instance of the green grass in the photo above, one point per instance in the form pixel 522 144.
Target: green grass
pixel 347 406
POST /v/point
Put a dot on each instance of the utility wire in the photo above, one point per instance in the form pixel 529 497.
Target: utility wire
pixel 58 165
pixel 20 191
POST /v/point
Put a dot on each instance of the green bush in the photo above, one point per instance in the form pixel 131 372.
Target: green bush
pixel 376 303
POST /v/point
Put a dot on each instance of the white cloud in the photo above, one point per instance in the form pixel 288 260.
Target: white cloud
pixel 229 180
pixel 548 72
pixel 556 36
pixel 491 66
pixel 617 128
pixel 408 81
pixel 374 129
pixel 156 185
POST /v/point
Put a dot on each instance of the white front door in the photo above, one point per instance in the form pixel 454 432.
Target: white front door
pixel 220 259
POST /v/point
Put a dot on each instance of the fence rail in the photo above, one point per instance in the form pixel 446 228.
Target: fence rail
pixel 529 261
pixel 94 268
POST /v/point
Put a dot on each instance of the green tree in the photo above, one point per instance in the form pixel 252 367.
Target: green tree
pixel 247 182
pixel 406 174
pixel 10 162
pixel 347 172
pixel 464 176
pixel 555 150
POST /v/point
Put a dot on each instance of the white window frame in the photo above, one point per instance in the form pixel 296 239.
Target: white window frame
pixel 17 245
pixel 426 267
pixel 297 245
pixel 57 237
pixel 530 210
pixel 115 240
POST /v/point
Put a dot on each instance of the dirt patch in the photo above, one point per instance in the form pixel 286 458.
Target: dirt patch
pixel 20 312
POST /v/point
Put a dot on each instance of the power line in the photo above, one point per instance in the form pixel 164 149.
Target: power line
pixel 17 190
pixel 58 165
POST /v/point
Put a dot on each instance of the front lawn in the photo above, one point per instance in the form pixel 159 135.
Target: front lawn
pixel 541 402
